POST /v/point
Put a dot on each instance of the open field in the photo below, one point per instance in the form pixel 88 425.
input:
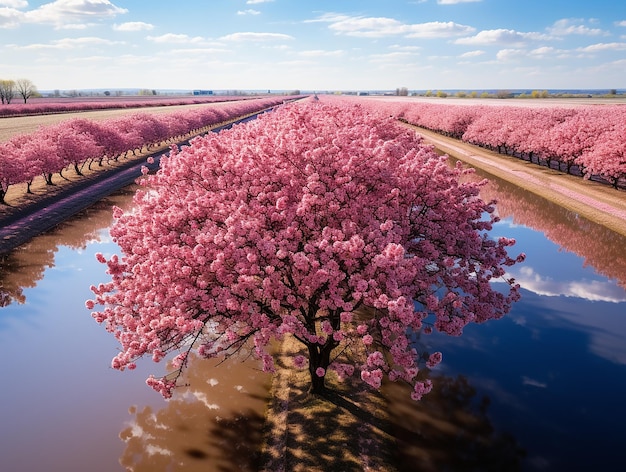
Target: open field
pixel 512 102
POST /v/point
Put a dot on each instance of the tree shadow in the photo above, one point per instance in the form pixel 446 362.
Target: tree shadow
pixel 343 429
pixel 449 429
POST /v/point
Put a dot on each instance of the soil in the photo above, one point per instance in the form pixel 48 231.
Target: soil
pixel 347 428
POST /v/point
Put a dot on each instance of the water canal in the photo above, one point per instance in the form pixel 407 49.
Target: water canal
pixel 540 390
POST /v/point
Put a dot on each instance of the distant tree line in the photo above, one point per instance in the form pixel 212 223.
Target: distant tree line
pixel 10 89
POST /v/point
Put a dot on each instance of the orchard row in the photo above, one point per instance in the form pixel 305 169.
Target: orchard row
pixel 79 143
pixel 45 106
pixel 589 141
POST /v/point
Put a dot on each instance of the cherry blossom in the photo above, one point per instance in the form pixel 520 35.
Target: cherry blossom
pixel 582 140
pixel 328 224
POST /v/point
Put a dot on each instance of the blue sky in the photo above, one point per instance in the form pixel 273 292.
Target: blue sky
pixel 314 44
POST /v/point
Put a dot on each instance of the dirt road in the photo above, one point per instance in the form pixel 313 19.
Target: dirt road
pixel 592 200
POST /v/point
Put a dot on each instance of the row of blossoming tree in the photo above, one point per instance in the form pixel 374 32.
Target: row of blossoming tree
pixel 331 225
pixel 588 140
pixel 79 143
pixel 47 106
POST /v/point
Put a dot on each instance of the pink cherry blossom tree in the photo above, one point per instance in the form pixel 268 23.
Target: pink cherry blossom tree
pixel 11 168
pixel 326 223
pixel 76 142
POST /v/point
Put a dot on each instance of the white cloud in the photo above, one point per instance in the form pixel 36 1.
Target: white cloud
pixel 377 27
pixel 547 52
pixel 14 3
pixel 86 41
pixel 620 23
pixel 405 48
pixel 11 4
pixel 133 26
pixel 256 2
pixel 328 18
pixel 502 37
pixel 61 12
pixel 10 18
pixel 511 54
pixel 566 27
pixel 392 57
pixel 454 2
pixel 321 53
pixel 476 53
pixel 544 52
pixel 368 27
pixel 599 47
pixel 248 12
pixel 532 382
pixel 194 52
pixel 69 43
pixel 248 36
pixel 591 290
pixel 438 29
pixel 176 39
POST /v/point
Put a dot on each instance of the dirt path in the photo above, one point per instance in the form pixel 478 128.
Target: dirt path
pixel 347 429
pixel 596 202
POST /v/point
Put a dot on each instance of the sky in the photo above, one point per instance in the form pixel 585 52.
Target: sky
pixel 314 45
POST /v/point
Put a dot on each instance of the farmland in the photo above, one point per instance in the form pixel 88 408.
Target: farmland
pixel 43 106
pixel 80 143
pixel 13 125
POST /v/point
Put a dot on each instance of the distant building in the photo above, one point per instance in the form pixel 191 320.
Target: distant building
pixel 203 92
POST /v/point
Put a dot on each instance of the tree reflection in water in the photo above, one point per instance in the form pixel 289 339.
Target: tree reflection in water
pixel 24 267
pixel 449 429
pixel 593 242
pixel 214 424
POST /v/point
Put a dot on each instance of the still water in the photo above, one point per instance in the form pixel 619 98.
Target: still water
pixel 541 390
pixel 62 408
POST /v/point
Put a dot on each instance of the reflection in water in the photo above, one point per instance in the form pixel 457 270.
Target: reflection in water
pixel 62 399
pixel 592 290
pixel 601 248
pixel 23 268
pixel 214 424
pixel 449 429
pixel 552 371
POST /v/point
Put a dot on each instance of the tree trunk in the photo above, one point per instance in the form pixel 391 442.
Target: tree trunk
pixel 319 357
pixel 318 385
